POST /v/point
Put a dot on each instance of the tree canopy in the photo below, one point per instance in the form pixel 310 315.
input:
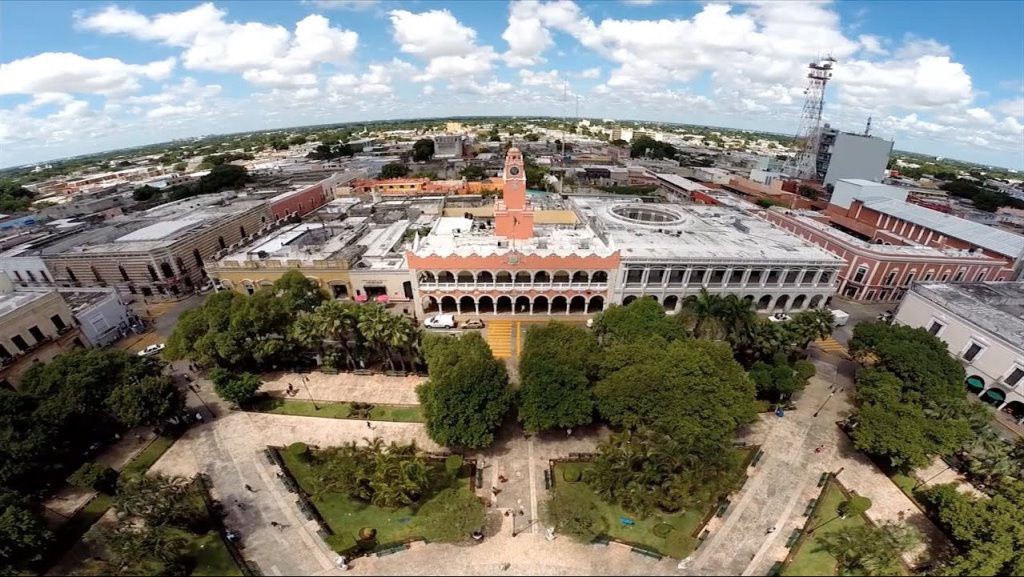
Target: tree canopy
pixel 394 170
pixel 557 362
pixel 640 318
pixel 680 384
pixel 466 396
pixel 69 403
pixel 423 150
pixel 645 146
pixel 989 532
pixel 14 197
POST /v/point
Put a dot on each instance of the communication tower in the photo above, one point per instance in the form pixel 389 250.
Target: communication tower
pixel 804 164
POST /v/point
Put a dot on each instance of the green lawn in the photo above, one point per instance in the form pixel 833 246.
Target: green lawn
pixel 299 408
pixel 150 455
pixel 212 556
pixel 807 558
pixel 677 544
pixel 346 516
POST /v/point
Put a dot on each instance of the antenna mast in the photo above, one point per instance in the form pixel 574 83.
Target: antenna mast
pixel 804 164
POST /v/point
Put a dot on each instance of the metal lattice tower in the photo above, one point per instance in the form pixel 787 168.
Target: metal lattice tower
pixel 804 164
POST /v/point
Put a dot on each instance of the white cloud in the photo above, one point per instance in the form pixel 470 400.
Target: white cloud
pixel 432 34
pixel 355 5
pixel 1014 108
pixel 72 73
pixel 377 80
pixel 264 54
pixel 428 90
pixel 527 33
pixel 491 88
pixel 549 78
pixel 589 73
pixel 872 44
pixel 166 110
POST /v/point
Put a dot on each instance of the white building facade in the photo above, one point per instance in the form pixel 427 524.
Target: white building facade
pixel 983 326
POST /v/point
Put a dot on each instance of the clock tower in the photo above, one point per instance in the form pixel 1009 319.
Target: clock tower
pixel 513 215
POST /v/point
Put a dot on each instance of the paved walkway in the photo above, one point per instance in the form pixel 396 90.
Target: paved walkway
pixel 346 387
pixel 780 487
pixel 939 473
pixel 229 449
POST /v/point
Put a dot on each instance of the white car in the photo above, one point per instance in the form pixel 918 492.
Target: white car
pixel 440 322
pixel 779 318
pixel 151 350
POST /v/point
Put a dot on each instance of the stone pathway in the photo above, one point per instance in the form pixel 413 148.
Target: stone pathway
pixel 346 387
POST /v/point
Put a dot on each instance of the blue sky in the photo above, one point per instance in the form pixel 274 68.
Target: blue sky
pixel 944 78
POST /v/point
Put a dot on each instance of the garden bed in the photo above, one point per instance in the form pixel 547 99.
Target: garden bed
pixel 338 410
pixel 669 534
pixel 807 557
pixel 345 516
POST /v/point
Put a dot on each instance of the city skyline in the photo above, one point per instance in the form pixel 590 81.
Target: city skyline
pixel 121 75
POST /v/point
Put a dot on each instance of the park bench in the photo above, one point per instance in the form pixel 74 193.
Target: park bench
pixel 793 538
pixel 722 508
pixel 810 507
pixel 704 535
pixel 757 457
pixel 646 553
pixel 823 479
pixel 776 569
pixel 547 479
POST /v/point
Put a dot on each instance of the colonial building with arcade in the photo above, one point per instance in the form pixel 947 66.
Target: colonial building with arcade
pixel 610 249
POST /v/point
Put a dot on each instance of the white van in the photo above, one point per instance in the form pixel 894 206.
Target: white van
pixel 440 322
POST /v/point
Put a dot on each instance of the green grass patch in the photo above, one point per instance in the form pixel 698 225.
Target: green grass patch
pixel 572 472
pixel 807 557
pixel 346 515
pixel 398 413
pixel 328 410
pixel 212 556
pixel 670 534
pixel 149 456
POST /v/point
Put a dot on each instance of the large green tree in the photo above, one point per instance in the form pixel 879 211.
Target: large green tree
pixel 451 516
pixel 147 401
pixel 466 396
pixel 988 531
pixel 556 365
pixel 23 536
pixel 640 318
pixel 298 293
pixel 661 383
pixel 238 388
pixel 869 549
pixel 423 150
pixel 394 170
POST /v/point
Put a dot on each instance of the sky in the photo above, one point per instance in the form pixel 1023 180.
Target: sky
pixel 943 78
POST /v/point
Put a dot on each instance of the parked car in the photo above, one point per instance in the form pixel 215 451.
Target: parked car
pixel 840 318
pixel 779 318
pixel 151 350
pixel 440 322
pixel 473 324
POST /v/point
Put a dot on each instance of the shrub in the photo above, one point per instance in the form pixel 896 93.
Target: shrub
pixel 570 511
pixel 451 516
pixel 572 474
pixel 94 476
pixel 453 464
pixel 662 530
pixel 299 451
pixel 341 543
pixel 678 544
pixel 804 370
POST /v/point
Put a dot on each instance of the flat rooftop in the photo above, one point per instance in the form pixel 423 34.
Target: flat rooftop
pixel 457 236
pixel 693 232
pixel 997 307
pixel 681 182
pixel 910 249
pixel 12 301
pixel 988 237
pixel 304 242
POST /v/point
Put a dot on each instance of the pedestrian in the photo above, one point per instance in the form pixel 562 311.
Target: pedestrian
pixel 368 425
pixel 250 489
pixel 770 530
pixel 568 432
pixel 495 491
pixel 199 416
pixel 241 506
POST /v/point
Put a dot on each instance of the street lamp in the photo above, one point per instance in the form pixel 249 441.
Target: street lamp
pixel 305 385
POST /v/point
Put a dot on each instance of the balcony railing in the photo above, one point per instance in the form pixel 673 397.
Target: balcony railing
pixel 454 286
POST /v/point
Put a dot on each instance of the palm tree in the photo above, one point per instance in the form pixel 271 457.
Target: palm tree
pixel 736 316
pixel 706 309
pixel 337 324
pixel 868 549
pixel 377 326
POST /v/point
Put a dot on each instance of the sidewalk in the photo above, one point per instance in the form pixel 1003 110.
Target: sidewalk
pixel 346 387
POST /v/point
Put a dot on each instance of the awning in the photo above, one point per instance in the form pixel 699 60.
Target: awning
pixel 382 298
pixel 994 395
pixel 975 383
pixel 360 298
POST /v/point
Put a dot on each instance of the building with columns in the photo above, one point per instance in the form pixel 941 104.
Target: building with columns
pixel 983 326
pixel 614 250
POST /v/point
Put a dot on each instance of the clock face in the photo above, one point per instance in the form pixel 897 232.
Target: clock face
pixel 514 170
